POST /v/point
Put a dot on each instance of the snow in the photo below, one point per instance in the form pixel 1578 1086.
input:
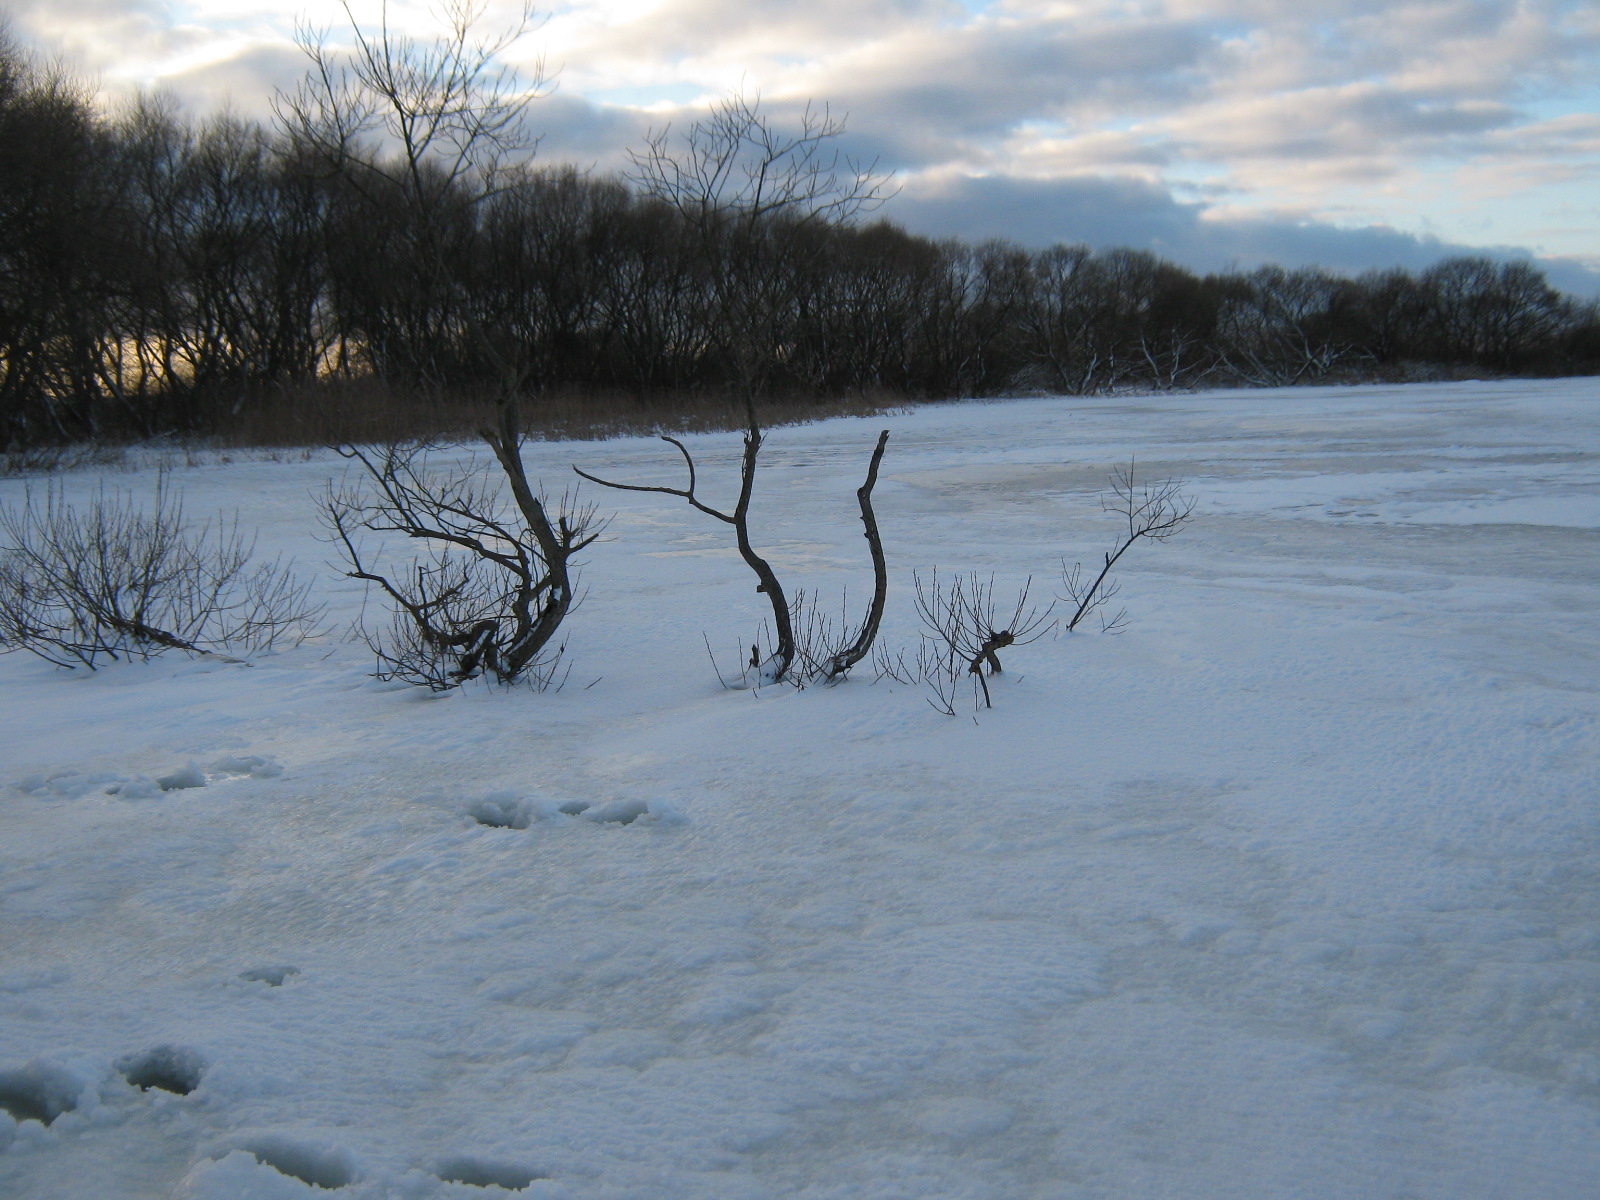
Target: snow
pixel 1290 890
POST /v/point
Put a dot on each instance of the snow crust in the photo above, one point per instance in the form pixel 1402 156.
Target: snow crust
pixel 1290 890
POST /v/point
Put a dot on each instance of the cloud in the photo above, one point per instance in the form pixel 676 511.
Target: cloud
pixel 242 81
pixel 577 132
pixel 1470 119
pixel 1107 213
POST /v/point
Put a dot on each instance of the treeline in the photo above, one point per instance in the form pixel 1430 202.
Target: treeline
pixel 158 275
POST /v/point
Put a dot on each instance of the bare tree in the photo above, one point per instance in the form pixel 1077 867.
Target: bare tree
pixel 750 190
pixel 1154 510
pixel 490 597
pixel 736 162
pixel 110 580
pixel 833 661
pixel 1277 328
pixel 440 124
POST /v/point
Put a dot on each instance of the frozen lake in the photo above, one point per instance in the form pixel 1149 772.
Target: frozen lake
pixel 1292 889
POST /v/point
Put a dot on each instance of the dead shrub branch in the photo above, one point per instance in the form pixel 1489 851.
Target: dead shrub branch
pixel 495 583
pixel 963 634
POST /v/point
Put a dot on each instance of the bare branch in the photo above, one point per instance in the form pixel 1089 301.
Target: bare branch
pixel 735 161
pixel 681 493
pixel 843 659
pixel 1156 510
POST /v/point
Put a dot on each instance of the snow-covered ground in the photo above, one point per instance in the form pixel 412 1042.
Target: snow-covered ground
pixel 1291 890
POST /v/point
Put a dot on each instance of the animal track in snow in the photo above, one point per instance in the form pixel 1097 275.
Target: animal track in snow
pixel 190 776
pixel 318 1164
pixel 70 785
pixel 37 1092
pixel 617 812
pixel 502 810
pixel 477 1172
pixel 235 766
pixel 506 810
pixel 174 1069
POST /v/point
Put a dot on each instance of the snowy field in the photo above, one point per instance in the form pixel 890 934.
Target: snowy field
pixel 1290 890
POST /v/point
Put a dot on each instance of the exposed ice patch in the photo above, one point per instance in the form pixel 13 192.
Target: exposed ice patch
pixel 174 1069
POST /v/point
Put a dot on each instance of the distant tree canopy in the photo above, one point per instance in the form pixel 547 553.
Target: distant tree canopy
pixel 157 273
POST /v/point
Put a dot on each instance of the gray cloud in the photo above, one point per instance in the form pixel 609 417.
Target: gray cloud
pixel 243 82
pixel 985 81
pixel 679 29
pixel 1105 213
pixel 574 130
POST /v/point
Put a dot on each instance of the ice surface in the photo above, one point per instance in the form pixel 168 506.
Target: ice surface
pixel 1288 891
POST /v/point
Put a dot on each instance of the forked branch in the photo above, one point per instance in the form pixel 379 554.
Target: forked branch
pixel 831 661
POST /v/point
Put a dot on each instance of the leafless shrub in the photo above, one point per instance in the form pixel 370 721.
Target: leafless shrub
pixel 108 580
pixel 824 648
pixel 489 596
pixel 934 666
pixel 1155 510
pixel 964 633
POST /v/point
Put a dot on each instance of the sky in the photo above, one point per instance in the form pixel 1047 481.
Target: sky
pixel 1351 134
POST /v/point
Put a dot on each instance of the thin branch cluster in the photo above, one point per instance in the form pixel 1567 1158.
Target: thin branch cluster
pixel 966 622
pixel 736 161
pixel 424 115
pixel 108 580
pixel 1155 510
pixel 965 626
